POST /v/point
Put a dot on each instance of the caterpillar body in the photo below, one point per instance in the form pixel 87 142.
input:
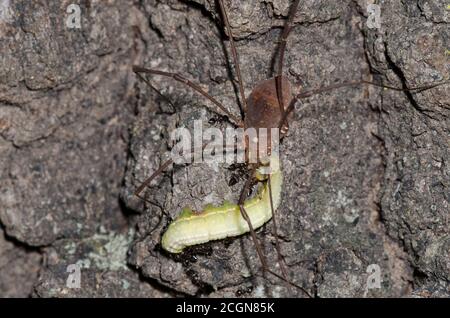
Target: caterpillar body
pixel 215 223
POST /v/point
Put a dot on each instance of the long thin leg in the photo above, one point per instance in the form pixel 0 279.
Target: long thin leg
pixel 163 167
pixel 279 88
pixel 347 84
pixel 275 233
pixel 259 251
pixel 242 198
pixel 235 57
pixel 181 79
pixel 147 181
pixel 282 49
pixel 145 80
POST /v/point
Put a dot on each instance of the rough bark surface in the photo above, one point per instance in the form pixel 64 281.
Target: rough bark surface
pixel 367 177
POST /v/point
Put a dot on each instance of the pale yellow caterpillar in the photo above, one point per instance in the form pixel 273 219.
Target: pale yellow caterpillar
pixel 215 223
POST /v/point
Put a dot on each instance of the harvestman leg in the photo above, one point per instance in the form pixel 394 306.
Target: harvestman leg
pixel 255 240
pixel 349 84
pixel 196 87
pixel 283 41
pixel 279 88
pixel 235 57
pixel 275 233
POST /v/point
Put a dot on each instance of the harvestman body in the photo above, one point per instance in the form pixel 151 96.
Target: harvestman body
pixel 268 106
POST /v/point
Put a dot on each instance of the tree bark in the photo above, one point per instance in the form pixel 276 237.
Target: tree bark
pixel 366 170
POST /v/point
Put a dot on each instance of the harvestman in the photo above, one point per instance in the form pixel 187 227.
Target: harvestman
pixel 268 106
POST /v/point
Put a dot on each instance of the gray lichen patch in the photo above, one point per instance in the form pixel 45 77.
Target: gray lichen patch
pixel 92 267
pixel 110 250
